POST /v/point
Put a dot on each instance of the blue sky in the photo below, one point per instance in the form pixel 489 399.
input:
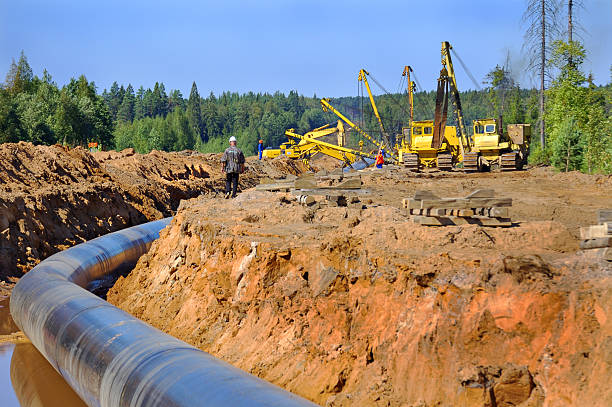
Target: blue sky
pixel 268 45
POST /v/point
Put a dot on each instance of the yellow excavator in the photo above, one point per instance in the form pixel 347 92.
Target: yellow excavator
pixel 327 107
pixel 307 146
pixel 363 77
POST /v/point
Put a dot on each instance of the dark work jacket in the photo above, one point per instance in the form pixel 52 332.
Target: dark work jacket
pixel 233 158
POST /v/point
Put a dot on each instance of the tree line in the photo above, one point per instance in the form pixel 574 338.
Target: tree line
pixel 37 110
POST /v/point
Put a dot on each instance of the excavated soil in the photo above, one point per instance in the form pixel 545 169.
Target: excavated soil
pixel 361 307
pixel 52 198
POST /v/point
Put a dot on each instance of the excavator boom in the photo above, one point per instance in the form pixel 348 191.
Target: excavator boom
pixel 328 107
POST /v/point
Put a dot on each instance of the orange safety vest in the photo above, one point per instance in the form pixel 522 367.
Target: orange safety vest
pixel 380 159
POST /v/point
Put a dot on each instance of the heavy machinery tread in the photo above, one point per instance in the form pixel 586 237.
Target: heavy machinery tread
pixel 411 162
pixel 445 162
pixel 510 161
pixel 470 162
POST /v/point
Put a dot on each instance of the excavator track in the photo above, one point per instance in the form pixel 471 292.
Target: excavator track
pixel 511 161
pixel 445 162
pixel 471 162
pixel 411 162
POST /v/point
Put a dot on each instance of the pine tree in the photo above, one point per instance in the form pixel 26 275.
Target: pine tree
pixel 210 118
pixel 542 19
pixel 19 77
pixel 148 103
pixel 175 100
pixel 139 112
pixel 114 100
pixel 194 112
pixel 126 111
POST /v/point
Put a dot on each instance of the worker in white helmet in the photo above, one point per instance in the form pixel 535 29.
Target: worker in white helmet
pixel 233 166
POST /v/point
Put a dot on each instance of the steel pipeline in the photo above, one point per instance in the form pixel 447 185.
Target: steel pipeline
pixel 111 358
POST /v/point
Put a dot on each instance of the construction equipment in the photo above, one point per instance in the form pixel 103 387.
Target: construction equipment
pixel 298 148
pixel 327 107
pixel 309 145
pixel 489 146
pixel 429 143
pixel 363 78
pixel 416 151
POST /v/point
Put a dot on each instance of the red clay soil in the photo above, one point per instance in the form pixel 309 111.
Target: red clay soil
pixel 52 198
pixel 361 307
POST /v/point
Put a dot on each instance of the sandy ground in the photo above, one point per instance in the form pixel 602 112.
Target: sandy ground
pixel 343 305
pixel 359 306
pixel 52 198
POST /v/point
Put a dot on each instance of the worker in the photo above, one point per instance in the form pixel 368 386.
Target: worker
pixel 233 166
pixel 260 149
pixel 380 159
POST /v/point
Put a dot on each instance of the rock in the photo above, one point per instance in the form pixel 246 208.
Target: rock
pixel 513 387
pixel 321 278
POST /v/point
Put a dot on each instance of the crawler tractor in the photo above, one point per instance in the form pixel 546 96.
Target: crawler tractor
pixel 492 148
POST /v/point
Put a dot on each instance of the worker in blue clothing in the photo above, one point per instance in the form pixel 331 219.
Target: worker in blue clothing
pixel 260 149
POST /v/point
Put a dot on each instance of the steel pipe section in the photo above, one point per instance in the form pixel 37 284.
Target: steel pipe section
pixel 111 358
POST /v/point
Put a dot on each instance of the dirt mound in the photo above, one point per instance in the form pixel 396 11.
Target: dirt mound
pixel 352 307
pixel 538 194
pixel 52 197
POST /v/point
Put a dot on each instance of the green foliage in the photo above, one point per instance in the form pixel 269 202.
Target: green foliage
pixel 37 110
pixel 566 145
pixel 34 109
pixel 538 155
pixel 576 119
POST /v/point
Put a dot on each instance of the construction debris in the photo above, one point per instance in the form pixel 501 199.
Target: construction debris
pixel 305 199
pixel 599 237
pixel 481 207
pixel 310 181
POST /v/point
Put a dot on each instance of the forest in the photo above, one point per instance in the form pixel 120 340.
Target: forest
pixel 34 108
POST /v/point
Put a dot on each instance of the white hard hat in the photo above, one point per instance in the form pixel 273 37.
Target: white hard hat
pixel 232 139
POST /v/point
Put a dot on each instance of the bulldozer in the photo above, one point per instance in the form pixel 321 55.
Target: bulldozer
pixel 491 148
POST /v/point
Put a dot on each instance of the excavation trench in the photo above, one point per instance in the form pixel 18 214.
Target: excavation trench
pixel 111 358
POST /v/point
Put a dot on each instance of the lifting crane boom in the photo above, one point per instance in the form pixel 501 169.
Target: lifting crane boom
pixel 363 78
pixel 328 107
pixel 410 89
pixel 448 71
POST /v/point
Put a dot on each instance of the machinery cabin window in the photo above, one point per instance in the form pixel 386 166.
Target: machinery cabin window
pixel 428 130
pixel 478 129
pixel 490 128
pixel 406 135
pixel 417 131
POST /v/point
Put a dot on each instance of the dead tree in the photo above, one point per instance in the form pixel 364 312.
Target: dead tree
pixel 541 19
pixel 573 27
